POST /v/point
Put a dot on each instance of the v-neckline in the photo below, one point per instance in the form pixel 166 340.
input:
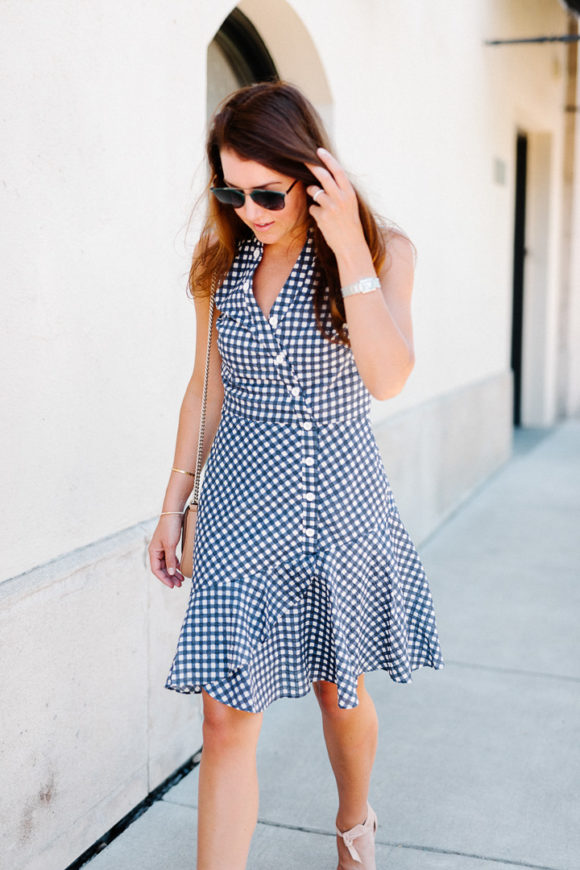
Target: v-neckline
pixel 282 292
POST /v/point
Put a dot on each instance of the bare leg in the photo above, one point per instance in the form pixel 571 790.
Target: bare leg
pixel 228 786
pixel 351 740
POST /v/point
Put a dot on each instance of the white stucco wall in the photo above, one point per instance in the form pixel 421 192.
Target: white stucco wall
pixel 442 107
pixel 570 308
pixel 100 144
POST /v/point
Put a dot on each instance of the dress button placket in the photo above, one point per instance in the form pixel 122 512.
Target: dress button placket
pixel 308 489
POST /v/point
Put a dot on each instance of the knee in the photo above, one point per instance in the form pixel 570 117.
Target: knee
pixel 327 696
pixel 225 727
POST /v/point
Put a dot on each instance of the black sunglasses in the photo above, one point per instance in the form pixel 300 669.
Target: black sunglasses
pixel 273 200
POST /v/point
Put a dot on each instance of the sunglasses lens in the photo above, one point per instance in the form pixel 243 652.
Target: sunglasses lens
pixel 229 196
pixel 273 200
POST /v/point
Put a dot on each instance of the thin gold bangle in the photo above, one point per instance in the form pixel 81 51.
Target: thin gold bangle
pixel 165 513
pixel 183 471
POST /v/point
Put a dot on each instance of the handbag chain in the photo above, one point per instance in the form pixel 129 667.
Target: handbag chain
pixel 195 495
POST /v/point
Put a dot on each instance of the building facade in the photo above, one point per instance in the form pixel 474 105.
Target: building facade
pixel 470 146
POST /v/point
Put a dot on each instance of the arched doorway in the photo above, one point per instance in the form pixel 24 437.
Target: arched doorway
pixel 236 56
pixel 263 41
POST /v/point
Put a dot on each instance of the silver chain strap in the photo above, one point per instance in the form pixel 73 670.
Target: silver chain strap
pixel 195 495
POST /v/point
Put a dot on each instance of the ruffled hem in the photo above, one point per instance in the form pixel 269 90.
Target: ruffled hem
pixel 331 615
pixel 236 689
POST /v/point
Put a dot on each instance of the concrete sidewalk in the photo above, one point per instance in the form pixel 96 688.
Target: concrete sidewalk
pixel 478 764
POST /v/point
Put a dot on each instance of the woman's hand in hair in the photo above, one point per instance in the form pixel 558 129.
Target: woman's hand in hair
pixel 335 209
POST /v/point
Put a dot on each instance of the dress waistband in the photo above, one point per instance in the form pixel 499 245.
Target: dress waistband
pixel 297 418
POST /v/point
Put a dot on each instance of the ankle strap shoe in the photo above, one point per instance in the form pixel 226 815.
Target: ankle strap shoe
pixel 361 856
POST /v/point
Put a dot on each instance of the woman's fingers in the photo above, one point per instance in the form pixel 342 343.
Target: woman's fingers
pixel 170 560
pixel 332 177
pixel 162 552
pixel 324 178
pixel 335 169
pixel 315 192
pixel 335 205
pixel 159 567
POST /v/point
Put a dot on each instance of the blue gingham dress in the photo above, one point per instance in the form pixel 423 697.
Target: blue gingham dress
pixel 303 569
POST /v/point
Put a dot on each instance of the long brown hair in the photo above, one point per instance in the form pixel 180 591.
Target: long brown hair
pixel 273 123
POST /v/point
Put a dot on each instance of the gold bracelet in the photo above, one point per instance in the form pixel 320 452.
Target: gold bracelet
pixel 183 472
pixel 165 513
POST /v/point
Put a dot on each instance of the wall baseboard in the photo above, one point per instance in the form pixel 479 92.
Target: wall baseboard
pixel 438 453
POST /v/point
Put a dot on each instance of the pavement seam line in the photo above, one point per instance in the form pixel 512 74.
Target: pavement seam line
pixel 518 671
pixel 410 846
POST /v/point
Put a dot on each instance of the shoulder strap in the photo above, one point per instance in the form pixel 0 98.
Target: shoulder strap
pixel 195 495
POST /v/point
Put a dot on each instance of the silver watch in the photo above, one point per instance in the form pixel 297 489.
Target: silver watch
pixel 365 285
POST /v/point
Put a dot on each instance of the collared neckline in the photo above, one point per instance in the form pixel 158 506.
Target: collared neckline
pixel 287 292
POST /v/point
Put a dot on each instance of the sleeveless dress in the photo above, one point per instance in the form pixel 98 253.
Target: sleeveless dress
pixel 302 568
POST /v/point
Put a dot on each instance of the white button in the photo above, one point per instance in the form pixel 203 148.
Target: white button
pixel 309 532
pixel 256 253
pixel 295 391
pixel 309 460
pixel 274 320
pixel 309 496
pixel 246 285
pixel 307 424
pixel 279 358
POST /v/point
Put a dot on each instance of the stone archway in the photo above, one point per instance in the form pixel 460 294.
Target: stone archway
pixel 268 33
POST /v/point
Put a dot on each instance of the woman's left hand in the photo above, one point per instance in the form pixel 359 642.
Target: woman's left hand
pixel 335 209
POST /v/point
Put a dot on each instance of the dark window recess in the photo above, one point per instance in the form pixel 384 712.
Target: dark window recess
pixel 519 257
pixel 573 6
pixel 245 50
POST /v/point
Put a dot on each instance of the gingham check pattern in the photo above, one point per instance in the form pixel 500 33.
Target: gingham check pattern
pixel 303 569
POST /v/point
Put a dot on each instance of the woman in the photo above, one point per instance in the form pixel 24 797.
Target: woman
pixel 304 574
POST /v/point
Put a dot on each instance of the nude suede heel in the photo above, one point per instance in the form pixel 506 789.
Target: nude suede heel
pixel 359 856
